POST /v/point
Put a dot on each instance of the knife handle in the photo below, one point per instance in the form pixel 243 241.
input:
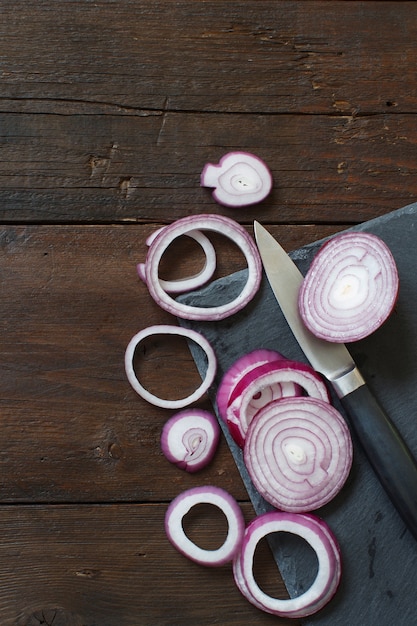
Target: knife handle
pixel 387 452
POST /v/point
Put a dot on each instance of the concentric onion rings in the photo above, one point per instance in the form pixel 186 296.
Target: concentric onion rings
pixel 166 329
pixel 318 535
pixel 298 452
pixel 217 223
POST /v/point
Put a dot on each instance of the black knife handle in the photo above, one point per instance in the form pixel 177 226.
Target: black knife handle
pixel 387 452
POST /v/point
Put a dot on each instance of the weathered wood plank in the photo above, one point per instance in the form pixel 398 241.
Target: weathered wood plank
pixel 112 564
pixel 105 168
pixel 265 56
pixel 72 428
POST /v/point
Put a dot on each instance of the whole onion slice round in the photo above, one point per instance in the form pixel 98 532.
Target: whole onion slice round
pixel 239 179
pixel 166 329
pixel 218 497
pixel 217 223
pixel 181 285
pixel 267 382
pixel 298 453
pixel 321 539
pixel 350 289
pixel 235 373
pixel 189 439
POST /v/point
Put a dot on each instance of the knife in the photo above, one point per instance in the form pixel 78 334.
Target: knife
pixel 388 454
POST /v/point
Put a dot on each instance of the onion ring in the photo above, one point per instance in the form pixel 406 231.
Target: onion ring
pixel 181 285
pixel 223 225
pixel 181 505
pixel 273 379
pixel 166 329
pixel 318 535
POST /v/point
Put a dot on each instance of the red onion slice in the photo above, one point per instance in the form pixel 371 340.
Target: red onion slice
pixel 189 439
pixel 318 535
pixel 298 452
pixel 181 285
pixel 217 223
pixel 182 504
pixel 350 288
pixel 239 179
pixel 235 373
pixel 166 329
pixel 268 382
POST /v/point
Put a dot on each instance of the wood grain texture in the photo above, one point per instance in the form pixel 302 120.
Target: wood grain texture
pixel 112 564
pixel 108 112
pixel 105 168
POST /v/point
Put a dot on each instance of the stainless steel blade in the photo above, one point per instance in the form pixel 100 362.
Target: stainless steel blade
pixel 333 360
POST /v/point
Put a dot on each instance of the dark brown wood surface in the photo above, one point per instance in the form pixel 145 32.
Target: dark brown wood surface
pixel 108 112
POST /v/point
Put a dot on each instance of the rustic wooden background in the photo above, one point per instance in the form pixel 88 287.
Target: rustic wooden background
pixel 108 112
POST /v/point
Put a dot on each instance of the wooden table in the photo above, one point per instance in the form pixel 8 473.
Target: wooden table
pixel 109 111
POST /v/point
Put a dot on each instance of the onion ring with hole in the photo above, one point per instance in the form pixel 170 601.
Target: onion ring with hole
pixel 181 285
pixel 166 329
pixel 318 535
pixel 217 223
pixel 218 497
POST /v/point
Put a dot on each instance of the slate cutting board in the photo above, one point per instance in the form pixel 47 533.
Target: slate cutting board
pixel 379 581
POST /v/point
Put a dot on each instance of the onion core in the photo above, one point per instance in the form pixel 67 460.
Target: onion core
pixel 182 504
pixel 239 179
pixel 350 289
pixel 189 439
pixel 166 329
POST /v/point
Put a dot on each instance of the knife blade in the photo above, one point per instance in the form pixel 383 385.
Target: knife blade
pixel 387 452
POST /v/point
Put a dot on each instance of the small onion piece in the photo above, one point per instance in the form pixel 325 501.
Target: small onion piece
pixel 298 453
pixel 321 539
pixel 181 285
pixel 265 383
pixel 217 223
pixel 166 329
pixel 350 289
pixel 239 179
pixel 235 373
pixel 218 497
pixel 189 439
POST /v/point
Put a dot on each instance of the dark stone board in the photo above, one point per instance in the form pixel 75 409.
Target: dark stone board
pixel 379 554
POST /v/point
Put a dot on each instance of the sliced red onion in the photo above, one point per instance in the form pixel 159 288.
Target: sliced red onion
pixel 239 179
pixel 182 504
pixel 166 329
pixel 318 535
pixel 181 285
pixel 350 288
pixel 268 382
pixel 235 373
pixel 217 223
pixel 298 453
pixel 189 439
